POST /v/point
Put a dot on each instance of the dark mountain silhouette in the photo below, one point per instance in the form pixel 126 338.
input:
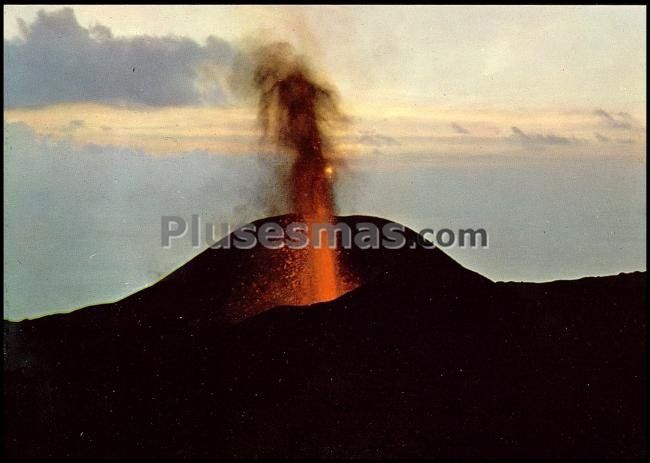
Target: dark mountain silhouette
pixel 424 359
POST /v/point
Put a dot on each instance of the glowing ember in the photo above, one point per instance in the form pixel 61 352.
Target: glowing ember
pixel 293 112
pixel 292 108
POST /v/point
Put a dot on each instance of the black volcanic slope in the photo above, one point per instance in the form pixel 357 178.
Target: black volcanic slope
pixel 425 359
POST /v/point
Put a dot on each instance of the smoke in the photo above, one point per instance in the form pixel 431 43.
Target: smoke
pixel 297 110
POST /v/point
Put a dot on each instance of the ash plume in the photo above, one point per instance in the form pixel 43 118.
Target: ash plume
pixel 296 110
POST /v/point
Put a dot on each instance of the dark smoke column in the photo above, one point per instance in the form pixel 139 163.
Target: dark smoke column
pixel 292 108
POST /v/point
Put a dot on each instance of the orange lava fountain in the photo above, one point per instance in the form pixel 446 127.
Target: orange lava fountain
pixel 292 108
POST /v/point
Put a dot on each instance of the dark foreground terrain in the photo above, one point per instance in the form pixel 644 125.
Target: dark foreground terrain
pixel 425 359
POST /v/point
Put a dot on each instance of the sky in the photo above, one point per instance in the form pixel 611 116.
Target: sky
pixel 529 121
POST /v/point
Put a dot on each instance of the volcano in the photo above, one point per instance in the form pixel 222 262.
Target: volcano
pixel 424 358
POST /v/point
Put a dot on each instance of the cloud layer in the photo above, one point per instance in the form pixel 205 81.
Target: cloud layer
pixel 459 128
pixel 536 139
pixel 82 225
pixel 617 121
pixel 57 60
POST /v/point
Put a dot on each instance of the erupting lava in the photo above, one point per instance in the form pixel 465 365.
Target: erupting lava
pixel 292 109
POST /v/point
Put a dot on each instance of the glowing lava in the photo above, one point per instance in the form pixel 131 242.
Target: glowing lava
pixel 292 109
